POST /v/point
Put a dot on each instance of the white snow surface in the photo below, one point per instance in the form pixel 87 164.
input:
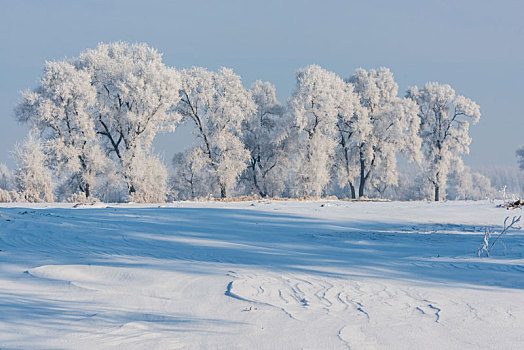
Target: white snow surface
pixel 259 275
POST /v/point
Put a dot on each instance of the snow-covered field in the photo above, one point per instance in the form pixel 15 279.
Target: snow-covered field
pixel 260 275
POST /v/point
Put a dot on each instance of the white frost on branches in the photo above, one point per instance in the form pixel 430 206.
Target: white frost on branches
pixel 188 180
pixel 465 184
pixel 314 106
pixel 384 125
pixel 149 176
pixel 32 178
pixel 6 178
pixel 93 120
pixel 266 136
pixel 217 104
pixel 135 98
pixel 60 109
pixel 444 130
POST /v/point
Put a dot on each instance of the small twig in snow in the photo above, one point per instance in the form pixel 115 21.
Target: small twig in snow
pixel 486 247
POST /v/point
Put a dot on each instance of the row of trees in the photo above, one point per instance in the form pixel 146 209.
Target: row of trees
pixel 93 120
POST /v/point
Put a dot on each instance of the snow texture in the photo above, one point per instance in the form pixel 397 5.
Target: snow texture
pixel 259 275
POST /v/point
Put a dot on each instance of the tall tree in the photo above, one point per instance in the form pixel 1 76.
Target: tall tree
pixel 217 104
pixel 136 96
pixel 444 130
pixel 60 109
pixel 266 135
pixel 352 125
pixel 385 124
pixel 314 107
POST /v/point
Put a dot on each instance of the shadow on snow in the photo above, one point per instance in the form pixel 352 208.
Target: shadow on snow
pixel 159 237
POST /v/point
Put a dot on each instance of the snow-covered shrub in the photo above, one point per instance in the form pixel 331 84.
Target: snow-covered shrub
pixel 6 178
pixel 464 184
pixel 149 176
pixel 5 196
pixel 32 178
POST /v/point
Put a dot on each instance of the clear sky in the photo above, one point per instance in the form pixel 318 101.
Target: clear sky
pixel 475 46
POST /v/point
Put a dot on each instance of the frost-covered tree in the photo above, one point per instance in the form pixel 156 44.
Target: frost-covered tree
pixel 266 135
pixel 217 104
pixel 188 180
pixel 314 107
pixel 6 178
pixel 352 125
pixel 32 178
pixel 508 182
pixel 5 196
pixel 6 185
pixel 412 185
pixel 480 188
pixel 135 98
pixel 468 185
pixel 182 183
pixel 61 110
pixel 444 127
pixel 385 124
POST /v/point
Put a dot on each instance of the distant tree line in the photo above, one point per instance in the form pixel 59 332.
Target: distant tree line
pixel 93 119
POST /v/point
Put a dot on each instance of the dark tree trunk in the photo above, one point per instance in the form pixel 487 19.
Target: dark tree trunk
pixel 361 187
pixel 353 194
pixel 257 186
pixel 362 183
pixel 437 195
pixel 223 193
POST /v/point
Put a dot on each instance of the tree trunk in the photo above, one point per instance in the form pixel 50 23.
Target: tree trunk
pixel 362 179
pixel 87 191
pixel 353 194
pixel 361 187
pixel 437 197
pixel 223 193
pixel 192 186
pixel 255 181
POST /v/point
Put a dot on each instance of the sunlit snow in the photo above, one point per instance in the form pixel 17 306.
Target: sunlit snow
pixel 263 274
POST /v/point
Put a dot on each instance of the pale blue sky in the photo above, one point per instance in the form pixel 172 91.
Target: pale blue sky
pixel 476 46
